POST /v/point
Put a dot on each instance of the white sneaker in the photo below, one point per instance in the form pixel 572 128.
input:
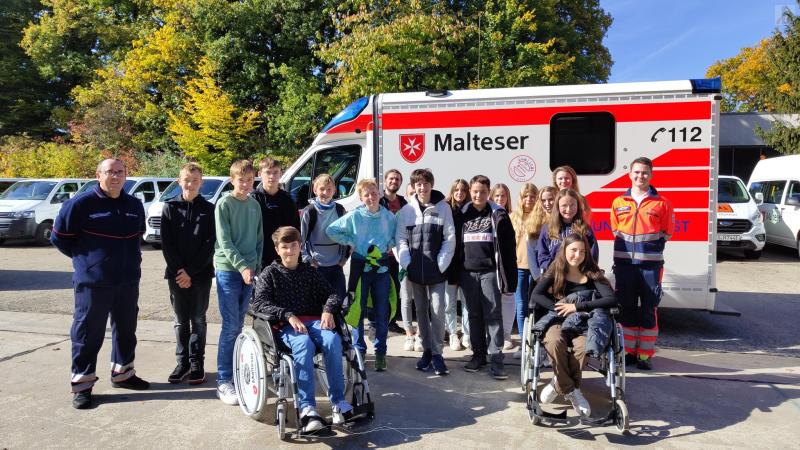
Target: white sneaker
pixel 549 393
pixel 341 411
pixel 227 393
pixel 409 344
pixel 312 420
pixel 418 344
pixel 508 345
pixel 579 403
pixel 466 342
pixel 455 342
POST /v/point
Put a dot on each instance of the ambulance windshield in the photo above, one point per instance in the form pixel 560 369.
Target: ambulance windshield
pixel 347 114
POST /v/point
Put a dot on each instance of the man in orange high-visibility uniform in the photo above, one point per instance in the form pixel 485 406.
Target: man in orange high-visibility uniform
pixel 642 222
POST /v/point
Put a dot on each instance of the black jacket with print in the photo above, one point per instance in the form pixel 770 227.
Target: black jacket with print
pixel 282 293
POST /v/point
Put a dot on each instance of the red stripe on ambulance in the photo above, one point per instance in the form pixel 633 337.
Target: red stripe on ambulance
pixel 684 178
pixel 689 226
pixel 684 157
pixel 684 199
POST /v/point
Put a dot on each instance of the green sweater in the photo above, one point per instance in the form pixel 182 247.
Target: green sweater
pixel 240 235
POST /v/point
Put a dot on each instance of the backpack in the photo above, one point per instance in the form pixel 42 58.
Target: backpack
pixel 312 215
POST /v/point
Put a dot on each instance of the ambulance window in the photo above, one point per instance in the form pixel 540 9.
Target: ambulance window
pixel 584 141
pixel 299 185
pixel 342 164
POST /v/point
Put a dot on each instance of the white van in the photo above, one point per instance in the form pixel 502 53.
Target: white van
pixel 775 183
pixel 213 189
pixel 28 208
pixel 519 135
pixel 146 189
pixel 739 222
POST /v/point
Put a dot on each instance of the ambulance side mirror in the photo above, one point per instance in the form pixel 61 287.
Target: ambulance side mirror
pixel 759 198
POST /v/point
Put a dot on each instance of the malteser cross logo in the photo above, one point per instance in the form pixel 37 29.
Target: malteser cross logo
pixel 412 146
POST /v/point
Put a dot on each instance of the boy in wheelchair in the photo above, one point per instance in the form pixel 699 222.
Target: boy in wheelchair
pixel 304 303
pixel 573 271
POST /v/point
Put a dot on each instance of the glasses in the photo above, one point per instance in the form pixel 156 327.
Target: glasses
pixel 113 173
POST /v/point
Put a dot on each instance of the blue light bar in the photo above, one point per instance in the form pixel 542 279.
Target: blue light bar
pixel 349 113
pixel 706 85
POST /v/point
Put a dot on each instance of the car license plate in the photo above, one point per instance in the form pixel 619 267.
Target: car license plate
pixel 729 237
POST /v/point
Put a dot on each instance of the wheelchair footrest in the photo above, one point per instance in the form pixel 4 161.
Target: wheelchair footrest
pixel 359 412
pixel 554 416
pixel 602 421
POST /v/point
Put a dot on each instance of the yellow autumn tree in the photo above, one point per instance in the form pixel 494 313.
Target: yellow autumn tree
pixel 745 78
pixel 209 128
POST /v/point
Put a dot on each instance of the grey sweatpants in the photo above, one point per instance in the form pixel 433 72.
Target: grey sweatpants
pixel 429 300
pixel 483 299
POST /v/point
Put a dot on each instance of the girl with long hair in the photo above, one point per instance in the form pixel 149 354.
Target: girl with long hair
pixel 573 271
pixel 522 219
pixel 501 195
pixel 565 177
pixel 565 219
pixel 457 197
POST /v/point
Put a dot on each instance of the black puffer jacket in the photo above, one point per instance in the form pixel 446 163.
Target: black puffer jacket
pixel 426 239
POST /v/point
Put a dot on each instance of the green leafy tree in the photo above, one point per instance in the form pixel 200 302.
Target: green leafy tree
pixel 745 78
pixel 783 91
pixel 21 156
pixel 210 128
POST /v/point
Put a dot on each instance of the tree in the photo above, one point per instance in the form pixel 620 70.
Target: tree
pixel 745 78
pixel 25 98
pixel 783 91
pixel 209 128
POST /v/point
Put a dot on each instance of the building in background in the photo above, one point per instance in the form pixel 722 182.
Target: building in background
pixel 739 146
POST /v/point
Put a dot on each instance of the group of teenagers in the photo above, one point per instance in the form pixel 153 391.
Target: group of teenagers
pixel 423 249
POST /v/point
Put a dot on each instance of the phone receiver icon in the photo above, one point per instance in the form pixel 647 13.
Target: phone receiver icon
pixel 660 130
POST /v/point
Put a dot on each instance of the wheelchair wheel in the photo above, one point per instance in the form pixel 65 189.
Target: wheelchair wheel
pixel 621 417
pixel 525 350
pixel 534 411
pixel 280 412
pixel 250 374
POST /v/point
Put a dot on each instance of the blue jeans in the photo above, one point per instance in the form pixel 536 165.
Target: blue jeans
pixel 451 311
pixel 376 284
pixel 521 296
pixel 335 277
pixel 304 346
pixel 234 299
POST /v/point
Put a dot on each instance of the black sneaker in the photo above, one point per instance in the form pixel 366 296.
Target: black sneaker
pixel 197 374
pixel 180 372
pixel 630 359
pixel 644 364
pixel 82 400
pixel 134 383
pixel 395 328
pixel 475 363
pixel 498 370
pixel 439 368
pixel 424 362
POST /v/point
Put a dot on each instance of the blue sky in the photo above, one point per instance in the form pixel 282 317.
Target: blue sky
pixel 652 40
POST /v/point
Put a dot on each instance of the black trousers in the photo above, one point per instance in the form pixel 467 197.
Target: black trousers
pixel 190 306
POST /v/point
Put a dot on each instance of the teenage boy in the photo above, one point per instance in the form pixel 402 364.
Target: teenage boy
pixel 303 302
pixel 237 258
pixel 487 252
pixel 426 241
pixel 187 241
pixel 391 200
pixel 370 230
pixel 277 207
pixel 317 248
pixel 642 222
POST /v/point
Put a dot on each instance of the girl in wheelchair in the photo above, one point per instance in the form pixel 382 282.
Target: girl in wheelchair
pixel 298 296
pixel 573 271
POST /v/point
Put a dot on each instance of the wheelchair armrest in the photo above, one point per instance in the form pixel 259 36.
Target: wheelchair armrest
pixel 263 316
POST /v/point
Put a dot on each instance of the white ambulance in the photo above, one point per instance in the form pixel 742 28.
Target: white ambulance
pixel 518 135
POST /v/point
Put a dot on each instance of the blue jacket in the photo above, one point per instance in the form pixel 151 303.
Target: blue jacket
pixel 101 234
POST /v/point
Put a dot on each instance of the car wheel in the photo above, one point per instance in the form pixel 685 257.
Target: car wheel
pixel 43 232
pixel 752 254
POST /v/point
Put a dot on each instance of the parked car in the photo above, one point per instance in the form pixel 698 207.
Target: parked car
pixel 146 189
pixel 5 183
pixel 28 208
pixel 740 225
pixel 213 189
pixel 775 183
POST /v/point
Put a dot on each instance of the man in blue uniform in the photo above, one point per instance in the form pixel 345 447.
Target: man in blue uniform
pixel 100 230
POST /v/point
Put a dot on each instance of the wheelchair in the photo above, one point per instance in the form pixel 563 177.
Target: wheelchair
pixel 611 364
pixel 263 367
